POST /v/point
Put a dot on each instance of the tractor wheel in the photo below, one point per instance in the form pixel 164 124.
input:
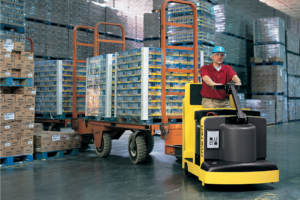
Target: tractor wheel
pixel 149 143
pixel 139 153
pixel 105 147
pixel 186 170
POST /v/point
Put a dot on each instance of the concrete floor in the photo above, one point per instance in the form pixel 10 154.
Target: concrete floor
pixel 88 176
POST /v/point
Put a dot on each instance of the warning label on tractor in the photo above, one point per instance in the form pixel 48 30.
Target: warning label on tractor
pixel 212 139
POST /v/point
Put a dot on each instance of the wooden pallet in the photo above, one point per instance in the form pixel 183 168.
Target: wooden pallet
pixel 11 81
pixel 55 154
pixel 15 160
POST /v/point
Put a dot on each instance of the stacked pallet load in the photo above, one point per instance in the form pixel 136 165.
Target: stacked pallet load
pixel 293 73
pixel 17 100
pixel 266 108
pixel 54 83
pixel 51 144
pixel 152 29
pixel 269 79
pixel 12 20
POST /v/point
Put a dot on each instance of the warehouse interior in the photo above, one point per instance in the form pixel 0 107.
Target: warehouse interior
pixel 103 94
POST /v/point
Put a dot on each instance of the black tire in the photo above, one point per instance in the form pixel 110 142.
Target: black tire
pixel 186 170
pixel 179 158
pixel 53 127
pixel 138 155
pixel 105 147
pixel 149 143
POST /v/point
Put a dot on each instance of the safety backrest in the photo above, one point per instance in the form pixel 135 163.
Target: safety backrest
pixel 195 94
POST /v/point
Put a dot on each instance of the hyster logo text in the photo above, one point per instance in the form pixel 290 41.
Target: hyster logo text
pixel 201 142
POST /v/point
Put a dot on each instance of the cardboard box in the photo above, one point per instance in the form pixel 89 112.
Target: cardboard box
pixel 41 147
pixel 19 64
pixel 20 98
pixel 26 73
pixel 5 90
pixel 65 137
pixel 28 132
pixel 29 65
pixel 8 116
pixel 18 150
pixel 5 73
pixel 1 152
pixel 28 107
pixel 17 107
pixel 16 73
pixel 18 46
pixel 15 55
pixel 61 145
pixel 8 45
pixel 30 99
pixel 27 124
pixel 42 138
pixel 8 134
pixel 9 98
pixel 2 98
pixel 38 127
pixel 256 60
pixel 76 144
pixel 9 63
pixel 28 56
pixel 5 125
pixel 25 141
pixel 1 135
pixel 54 146
pixel 275 59
pixel 16 142
pixel 27 91
pixel 8 151
pixel 15 125
pixel 68 144
pixel 74 136
pixel 28 149
pixel 19 116
pixel 5 142
pixel 18 133
pixel 29 116
pixel 5 54
pixel 5 107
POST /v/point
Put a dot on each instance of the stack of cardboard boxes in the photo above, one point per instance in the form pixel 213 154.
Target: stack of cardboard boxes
pixel 17 104
pixel 17 120
pixel 45 141
pixel 14 61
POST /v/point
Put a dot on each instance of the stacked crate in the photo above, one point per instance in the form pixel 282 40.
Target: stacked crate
pixel 293 72
pixel 152 29
pixel 266 108
pixel 45 141
pixel 269 39
pixel 54 83
pixel 17 102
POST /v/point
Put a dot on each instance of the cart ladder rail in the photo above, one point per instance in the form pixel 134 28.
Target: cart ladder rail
pixel 75 78
pixel 97 40
pixel 164 47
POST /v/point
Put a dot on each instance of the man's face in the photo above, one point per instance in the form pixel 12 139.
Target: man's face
pixel 218 58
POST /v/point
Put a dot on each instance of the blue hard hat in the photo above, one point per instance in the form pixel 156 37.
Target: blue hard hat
pixel 218 49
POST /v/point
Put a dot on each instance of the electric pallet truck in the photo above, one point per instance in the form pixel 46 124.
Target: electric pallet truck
pixel 227 145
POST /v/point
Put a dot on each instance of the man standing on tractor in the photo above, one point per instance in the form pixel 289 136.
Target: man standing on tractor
pixel 217 74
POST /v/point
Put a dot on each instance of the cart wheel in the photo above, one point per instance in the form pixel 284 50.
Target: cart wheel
pixel 105 147
pixel 186 170
pixel 149 143
pixel 139 153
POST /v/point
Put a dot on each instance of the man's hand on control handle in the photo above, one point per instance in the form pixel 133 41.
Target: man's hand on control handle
pixel 209 82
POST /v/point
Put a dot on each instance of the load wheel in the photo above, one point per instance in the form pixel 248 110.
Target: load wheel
pixel 53 127
pixel 105 147
pixel 139 153
pixel 149 143
pixel 186 170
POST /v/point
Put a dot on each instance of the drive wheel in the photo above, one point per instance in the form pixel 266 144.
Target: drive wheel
pixel 186 170
pixel 149 143
pixel 139 153
pixel 105 147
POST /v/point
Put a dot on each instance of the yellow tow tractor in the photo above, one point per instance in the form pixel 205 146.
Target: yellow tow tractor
pixel 225 146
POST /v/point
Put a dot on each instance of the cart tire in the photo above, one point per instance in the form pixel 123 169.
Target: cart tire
pixel 138 155
pixel 105 147
pixel 53 127
pixel 149 143
pixel 186 171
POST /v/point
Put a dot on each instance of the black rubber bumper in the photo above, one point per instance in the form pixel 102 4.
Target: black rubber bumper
pixel 222 166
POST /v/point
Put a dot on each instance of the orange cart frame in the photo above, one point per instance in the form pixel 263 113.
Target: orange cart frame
pixel 171 134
